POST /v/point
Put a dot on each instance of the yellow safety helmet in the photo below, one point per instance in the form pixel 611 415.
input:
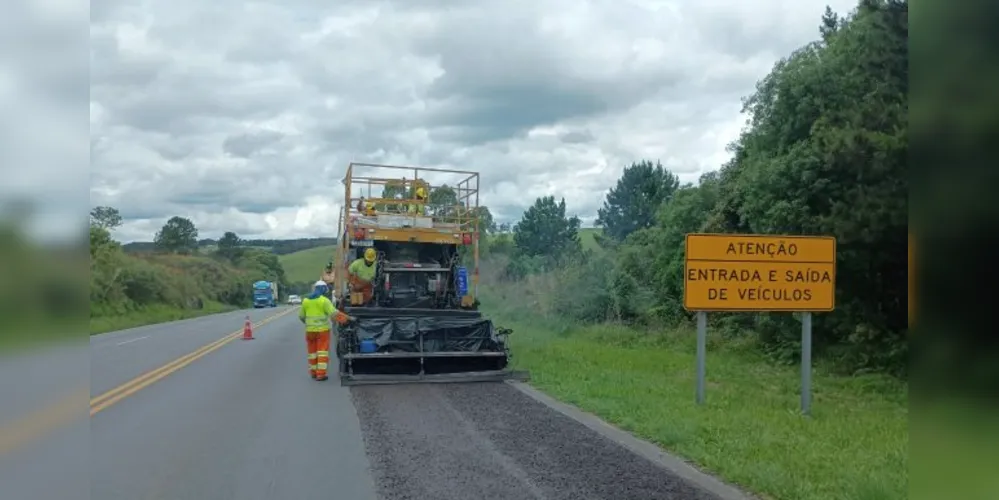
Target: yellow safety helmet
pixel 369 255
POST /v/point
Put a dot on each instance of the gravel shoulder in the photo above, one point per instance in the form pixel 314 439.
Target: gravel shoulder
pixel 490 441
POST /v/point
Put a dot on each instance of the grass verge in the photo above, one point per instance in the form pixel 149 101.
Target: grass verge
pixel 749 432
pixel 152 315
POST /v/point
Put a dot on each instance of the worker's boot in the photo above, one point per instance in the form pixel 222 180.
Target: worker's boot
pixel 321 378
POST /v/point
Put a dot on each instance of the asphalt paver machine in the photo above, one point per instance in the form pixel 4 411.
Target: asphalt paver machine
pixel 419 321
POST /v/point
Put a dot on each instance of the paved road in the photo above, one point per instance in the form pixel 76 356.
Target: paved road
pixel 43 422
pixel 244 421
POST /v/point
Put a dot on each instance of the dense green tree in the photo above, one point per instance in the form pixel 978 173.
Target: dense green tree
pixel 178 235
pixel 105 217
pixel 486 223
pixel 830 24
pixel 631 204
pixel 229 245
pixel 442 201
pixel 834 162
pixel 546 231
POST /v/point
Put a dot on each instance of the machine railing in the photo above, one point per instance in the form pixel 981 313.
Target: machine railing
pixel 452 197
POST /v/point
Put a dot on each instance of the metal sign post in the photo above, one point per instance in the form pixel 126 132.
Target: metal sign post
pixel 806 363
pixel 702 347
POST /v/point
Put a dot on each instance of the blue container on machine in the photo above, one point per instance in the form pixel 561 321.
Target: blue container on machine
pixel 462 281
pixel 368 346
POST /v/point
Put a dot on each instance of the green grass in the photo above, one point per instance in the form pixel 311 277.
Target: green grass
pixel 25 333
pixel 749 432
pixel 958 449
pixel 587 236
pixel 306 265
pixel 152 315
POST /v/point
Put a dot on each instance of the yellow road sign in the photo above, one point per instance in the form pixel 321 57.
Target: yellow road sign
pixel 745 272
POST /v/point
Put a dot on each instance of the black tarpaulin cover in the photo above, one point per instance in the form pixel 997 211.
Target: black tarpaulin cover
pixel 440 334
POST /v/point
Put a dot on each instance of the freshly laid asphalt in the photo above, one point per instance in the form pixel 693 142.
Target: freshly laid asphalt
pixel 491 442
pixel 246 422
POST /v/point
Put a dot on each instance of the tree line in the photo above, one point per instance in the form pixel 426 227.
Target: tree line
pixel 179 273
pixel 823 153
pixel 278 247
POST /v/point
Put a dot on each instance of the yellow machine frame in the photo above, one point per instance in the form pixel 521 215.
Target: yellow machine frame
pixel 454 225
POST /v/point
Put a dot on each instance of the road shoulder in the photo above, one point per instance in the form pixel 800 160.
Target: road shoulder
pixel 645 449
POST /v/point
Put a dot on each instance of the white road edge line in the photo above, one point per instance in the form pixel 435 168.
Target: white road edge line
pixel 132 340
pixel 640 447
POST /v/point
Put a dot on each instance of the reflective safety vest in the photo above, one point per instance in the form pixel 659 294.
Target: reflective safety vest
pixel 316 313
pixel 362 270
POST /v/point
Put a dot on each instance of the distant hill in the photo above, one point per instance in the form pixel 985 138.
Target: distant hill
pixel 306 265
pixel 279 247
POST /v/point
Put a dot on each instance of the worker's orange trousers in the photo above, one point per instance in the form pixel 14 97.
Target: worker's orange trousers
pixel 319 353
pixel 366 289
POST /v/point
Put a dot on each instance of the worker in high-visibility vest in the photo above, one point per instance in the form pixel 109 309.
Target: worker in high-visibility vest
pixel 316 313
pixel 421 198
pixel 361 274
pixel 364 207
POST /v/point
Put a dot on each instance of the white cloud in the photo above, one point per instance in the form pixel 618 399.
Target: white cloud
pixel 243 115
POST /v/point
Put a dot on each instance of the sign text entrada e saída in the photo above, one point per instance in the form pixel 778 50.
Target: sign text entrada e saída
pixel 726 272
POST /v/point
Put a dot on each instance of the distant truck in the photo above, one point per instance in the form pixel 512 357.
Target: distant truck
pixel 265 294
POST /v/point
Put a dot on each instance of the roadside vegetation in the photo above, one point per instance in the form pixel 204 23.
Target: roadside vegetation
pixel 39 287
pixel 178 279
pixel 823 153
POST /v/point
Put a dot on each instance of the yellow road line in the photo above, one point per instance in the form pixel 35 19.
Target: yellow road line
pixel 157 371
pixel 109 398
pixel 16 434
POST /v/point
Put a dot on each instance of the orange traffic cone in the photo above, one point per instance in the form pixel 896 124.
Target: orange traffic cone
pixel 247 329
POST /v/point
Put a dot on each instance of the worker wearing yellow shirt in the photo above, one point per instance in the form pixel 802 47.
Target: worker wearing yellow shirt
pixel 421 198
pixel 361 274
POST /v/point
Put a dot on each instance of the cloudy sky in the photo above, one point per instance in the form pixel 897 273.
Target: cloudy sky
pixel 43 112
pixel 242 115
